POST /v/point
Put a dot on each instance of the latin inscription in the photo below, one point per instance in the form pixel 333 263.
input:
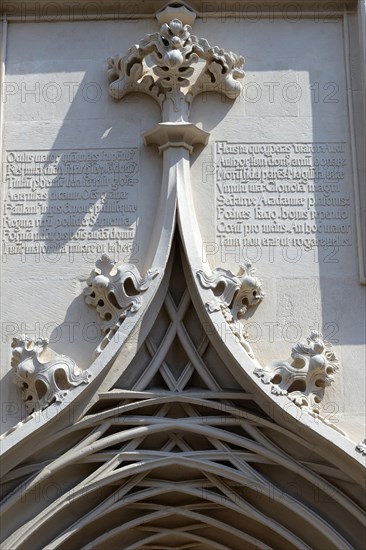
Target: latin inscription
pixel 70 200
pixel 282 194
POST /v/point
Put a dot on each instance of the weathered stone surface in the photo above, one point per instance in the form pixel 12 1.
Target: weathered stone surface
pixel 213 227
pixel 276 185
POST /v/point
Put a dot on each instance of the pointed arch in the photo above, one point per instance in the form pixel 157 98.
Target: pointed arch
pixel 180 441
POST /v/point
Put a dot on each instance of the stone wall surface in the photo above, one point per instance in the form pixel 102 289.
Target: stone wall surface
pixel 182 275
pixel 275 186
pixel 76 183
pixel 286 143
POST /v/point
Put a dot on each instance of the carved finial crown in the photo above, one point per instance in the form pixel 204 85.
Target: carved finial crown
pixel 161 65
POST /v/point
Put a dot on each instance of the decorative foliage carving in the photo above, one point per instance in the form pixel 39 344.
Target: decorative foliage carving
pixel 161 66
pixel 361 447
pixel 222 73
pixel 305 379
pixel 43 376
pixel 114 291
pixel 233 295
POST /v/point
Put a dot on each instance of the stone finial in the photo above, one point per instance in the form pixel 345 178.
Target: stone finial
pixel 161 65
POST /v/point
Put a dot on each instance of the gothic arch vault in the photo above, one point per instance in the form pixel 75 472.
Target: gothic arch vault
pixel 179 453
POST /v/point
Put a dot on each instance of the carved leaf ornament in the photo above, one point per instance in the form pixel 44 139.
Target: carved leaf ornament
pixel 114 291
pixel 161 66
pixel 239 292
pixel 43 380
pixel 305 379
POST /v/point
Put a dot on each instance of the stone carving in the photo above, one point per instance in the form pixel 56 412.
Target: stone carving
pixel 161 66
pixel 114 291
pixel 361 447
pixel 233 295
pixel 305 379
pixel 44 377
